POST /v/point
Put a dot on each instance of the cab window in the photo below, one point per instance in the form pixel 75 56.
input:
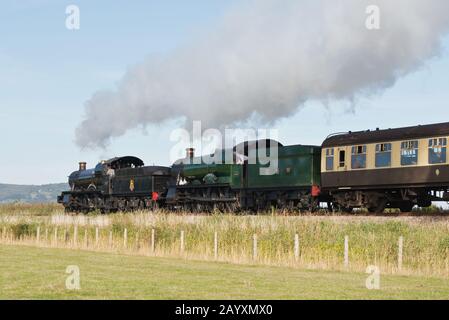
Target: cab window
pixel 409 153
pixel 383 155
pixel 437 150
pixel 358 160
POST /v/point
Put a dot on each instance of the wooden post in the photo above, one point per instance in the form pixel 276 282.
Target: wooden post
pixel 110 239
pixel 38 234
pixel 346 251
pixel 96 236
pixel 216 245
pixel 137 241
pixel 400 245
pixel 182 241
pixel 86 238
pixel 296 247
pixel 66 236
pixel 56 236
pixel 75 235
pixel 255 246
pixel 4 233
pixel 152 241
pixel 125 237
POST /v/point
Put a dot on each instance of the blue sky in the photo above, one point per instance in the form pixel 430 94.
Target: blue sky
pixel 48 72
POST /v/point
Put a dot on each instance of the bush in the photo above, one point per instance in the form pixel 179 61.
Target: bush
pixel 23 229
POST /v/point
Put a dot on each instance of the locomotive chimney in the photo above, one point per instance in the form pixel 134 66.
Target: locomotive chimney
pixel 190 153
pixel 82 166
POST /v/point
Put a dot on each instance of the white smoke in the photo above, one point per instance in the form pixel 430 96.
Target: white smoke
pixel 268 57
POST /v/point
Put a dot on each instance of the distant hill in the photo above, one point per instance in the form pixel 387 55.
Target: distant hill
pixel 31 193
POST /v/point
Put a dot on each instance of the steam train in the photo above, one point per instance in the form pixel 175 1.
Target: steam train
pixel 375 170
pixel 122 183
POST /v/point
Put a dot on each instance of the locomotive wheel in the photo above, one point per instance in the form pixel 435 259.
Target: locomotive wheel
pixel 338 208
pixel 379 207
pixel 406 207
pixel 314 206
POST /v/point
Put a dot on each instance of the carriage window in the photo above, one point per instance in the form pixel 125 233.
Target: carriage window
pixel 342 160
pixel 437 150
pixel 329 159
pixel 409 153
pixel 383 155
pixel 358 160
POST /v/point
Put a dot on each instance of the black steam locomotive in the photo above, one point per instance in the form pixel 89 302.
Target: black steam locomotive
pixel 394 168
pixel 117 184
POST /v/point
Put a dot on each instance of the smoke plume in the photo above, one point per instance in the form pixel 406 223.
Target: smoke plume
pixel 268 57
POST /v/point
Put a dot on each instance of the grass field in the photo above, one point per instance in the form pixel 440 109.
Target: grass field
pixel 372 240
pixel 160 255
pixel 39 273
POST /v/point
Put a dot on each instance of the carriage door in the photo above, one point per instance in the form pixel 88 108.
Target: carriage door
pixel 342 159
pixel 245 174
pixel 244 184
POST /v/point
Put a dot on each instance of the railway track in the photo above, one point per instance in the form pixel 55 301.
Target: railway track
pixel 368 214
pixel 322 213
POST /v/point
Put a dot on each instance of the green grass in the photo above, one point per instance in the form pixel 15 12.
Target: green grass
pixel 38 273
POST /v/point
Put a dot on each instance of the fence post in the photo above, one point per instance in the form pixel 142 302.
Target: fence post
pixel 4 233
pixel 125 237
pixel 75 235
pixel 346 251
pixel 296 247
pixel 400 245
pixel 152 241
pixel 86 239
pixel 255 246
pixel 137 240
pixel 110 239
pixel 96 236
pixel 66 236
pixel 56 236
pixel 38 234
pixel 182 241
pixel 216 245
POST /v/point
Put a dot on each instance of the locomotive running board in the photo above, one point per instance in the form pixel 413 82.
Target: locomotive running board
pixel 211 199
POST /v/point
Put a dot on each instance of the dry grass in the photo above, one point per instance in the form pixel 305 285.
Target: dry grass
pixel 25 209
pixel 372 240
